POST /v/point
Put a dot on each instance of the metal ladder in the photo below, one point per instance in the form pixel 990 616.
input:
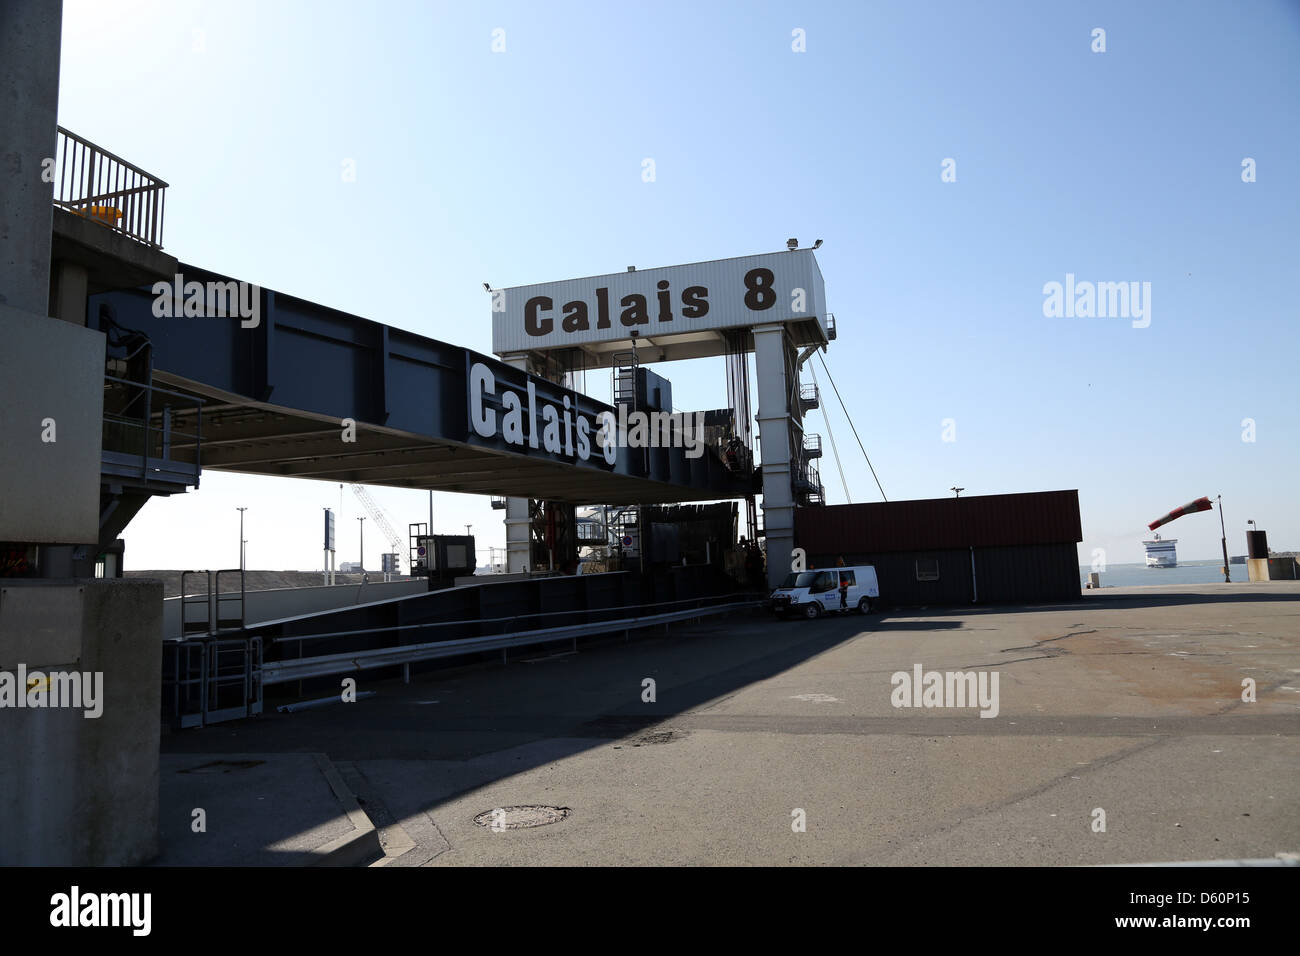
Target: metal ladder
pixel 625 366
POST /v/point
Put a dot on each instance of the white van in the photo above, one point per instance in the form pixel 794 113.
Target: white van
pixel 827 591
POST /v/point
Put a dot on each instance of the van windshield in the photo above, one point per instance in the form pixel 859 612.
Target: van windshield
pixel 802 579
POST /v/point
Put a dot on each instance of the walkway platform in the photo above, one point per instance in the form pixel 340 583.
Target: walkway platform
pixel 302 390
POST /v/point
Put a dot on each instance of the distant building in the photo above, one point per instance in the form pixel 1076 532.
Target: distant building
pixel 986 549
pixel 349 567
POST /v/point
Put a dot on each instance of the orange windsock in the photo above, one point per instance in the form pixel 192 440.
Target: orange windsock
pixel 1200 504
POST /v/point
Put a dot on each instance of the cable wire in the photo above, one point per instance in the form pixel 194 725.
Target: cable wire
pixel 831 434
pixel 831 379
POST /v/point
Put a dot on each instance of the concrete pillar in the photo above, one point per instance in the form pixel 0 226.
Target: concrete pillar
pixel 69 293
pixel 518 530
pixel 770 349
pixel 50 430
pixel 30 37
pixel 79 784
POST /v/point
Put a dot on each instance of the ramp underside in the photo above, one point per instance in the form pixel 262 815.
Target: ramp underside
pixel 264 439
pixel 303 391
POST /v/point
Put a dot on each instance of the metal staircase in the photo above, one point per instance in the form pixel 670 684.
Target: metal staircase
pixel 625 366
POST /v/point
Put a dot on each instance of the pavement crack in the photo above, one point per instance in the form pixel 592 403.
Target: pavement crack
pixel 1048 640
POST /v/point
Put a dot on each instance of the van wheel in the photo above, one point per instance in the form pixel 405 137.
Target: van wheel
pixel 864 606
pixel 812 610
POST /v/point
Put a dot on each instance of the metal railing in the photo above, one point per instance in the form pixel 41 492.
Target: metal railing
pixel 810 396
pixel 93 183
pixel 508 623
pixel 808 481
pixel 213 602
pixel 812 446
pixel 193 599
pixel 207 680
pixel 135 447
pixel 325 665
pixel 816 492
pixel 228 620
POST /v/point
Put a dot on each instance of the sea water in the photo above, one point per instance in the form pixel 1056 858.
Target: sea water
pixel 1187 572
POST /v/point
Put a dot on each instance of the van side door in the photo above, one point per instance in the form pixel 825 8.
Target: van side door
pixel 824 591
pixel 849 588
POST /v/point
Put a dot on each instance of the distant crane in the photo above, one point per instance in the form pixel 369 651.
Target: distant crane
pixel 381 521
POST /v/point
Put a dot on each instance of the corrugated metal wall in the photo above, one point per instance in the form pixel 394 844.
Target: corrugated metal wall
pixel 1024 546
pixel 1028 574
pixel 1045 517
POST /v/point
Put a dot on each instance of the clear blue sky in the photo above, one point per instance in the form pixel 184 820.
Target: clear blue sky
pixel 525 166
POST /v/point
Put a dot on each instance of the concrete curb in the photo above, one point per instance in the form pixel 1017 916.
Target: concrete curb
pixel 394 841
pixel 360 848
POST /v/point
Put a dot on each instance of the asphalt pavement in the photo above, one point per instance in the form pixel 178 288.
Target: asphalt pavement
pixel 1119 734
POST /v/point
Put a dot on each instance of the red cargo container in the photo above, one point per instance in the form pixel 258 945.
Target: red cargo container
pixel 1024 545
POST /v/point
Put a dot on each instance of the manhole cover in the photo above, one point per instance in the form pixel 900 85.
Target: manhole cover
pixel 223 766
pixel 520 818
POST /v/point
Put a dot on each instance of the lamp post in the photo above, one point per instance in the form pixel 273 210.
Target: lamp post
pixel 362 520
pixel 241 538
pixel 956 491
pixel 1227 577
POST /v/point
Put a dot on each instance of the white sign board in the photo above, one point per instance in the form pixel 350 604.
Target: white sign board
pixel 724 293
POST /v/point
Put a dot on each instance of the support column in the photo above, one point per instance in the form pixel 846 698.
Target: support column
pixel 770 349
pixel 518 543
pixel 70 281
pixel 30 38
pixel 73 791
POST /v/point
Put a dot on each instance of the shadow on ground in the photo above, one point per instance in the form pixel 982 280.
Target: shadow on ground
pixel 541 707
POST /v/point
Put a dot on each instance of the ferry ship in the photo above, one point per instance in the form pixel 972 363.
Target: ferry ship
pixel 1161 552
